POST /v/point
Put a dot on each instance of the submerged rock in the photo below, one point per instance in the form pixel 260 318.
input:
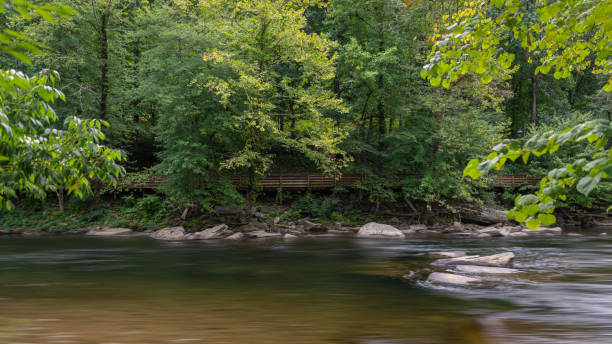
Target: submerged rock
pixel 109 232
pixel 289 236
pixel 446 278
pixel 574 234
pixel 501 259
pixel 170 234
pixel 476 269
pixel 374 229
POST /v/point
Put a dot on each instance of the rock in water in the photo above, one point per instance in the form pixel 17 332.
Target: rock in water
pixel 262 234
pixel 216 232
pixel 374 229
pixel 549 230
pixel 518 235
pixel 109 232
pixel 450 254
pixel 501 259
pixel 170 234
pixel 441 277
pixel 475 269
pixel 235 236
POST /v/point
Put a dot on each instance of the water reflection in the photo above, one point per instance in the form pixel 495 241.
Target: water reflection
pixel 135 290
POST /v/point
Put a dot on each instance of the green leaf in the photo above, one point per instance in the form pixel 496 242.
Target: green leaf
pixel 472 169
pixel 520 216
pixel 587 184
pixel 526 200
pixel 532 209
pixel 547 219
pixel 533 223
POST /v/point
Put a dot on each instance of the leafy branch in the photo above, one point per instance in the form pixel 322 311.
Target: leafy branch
pixel 582 174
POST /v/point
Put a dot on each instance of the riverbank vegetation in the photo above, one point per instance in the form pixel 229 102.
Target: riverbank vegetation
pixel 200 91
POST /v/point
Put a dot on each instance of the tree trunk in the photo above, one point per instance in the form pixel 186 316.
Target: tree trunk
pixel 104 64
pixel 534 86
pixel 381 107
pixel 60 198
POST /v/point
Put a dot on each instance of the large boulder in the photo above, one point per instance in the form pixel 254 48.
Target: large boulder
pixel 501 259
pixel 216 232
pixel 106 232
pixel 445 278
pixel 169 234
pixel 374 229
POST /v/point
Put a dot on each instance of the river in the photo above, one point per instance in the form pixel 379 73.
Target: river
pixel 321 290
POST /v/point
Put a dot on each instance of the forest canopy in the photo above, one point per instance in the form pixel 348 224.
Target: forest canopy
pixel 200 91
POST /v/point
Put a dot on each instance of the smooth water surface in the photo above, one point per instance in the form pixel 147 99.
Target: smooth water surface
pixel 324 290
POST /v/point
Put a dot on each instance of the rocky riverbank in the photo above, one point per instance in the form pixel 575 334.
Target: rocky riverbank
pixel 307 228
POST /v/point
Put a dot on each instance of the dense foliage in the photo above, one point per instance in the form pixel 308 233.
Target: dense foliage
pixel 35 155
pixel 201 90
pixel 564 37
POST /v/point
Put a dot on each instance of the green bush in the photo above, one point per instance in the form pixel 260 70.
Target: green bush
pixel 313 206
pixel 150 206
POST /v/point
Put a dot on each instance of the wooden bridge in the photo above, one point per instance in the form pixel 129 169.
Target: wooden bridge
pixel 310 181
pixel 514 180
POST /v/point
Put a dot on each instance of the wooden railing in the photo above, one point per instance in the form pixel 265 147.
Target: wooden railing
pixel 301 181
pixel 273 181
pixel 313 181
pixel 513 180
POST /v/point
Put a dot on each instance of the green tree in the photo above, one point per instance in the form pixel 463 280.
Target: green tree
pixel 396 120
pixel 97 53
pixel 35 157
pixel 567 33
pixel 194 131
pixel 276 88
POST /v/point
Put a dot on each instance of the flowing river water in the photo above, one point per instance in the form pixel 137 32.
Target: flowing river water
pixel 321 290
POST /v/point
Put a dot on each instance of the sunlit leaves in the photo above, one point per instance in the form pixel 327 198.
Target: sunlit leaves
pixel 566 33
pixel 583 174
pixel 276 70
